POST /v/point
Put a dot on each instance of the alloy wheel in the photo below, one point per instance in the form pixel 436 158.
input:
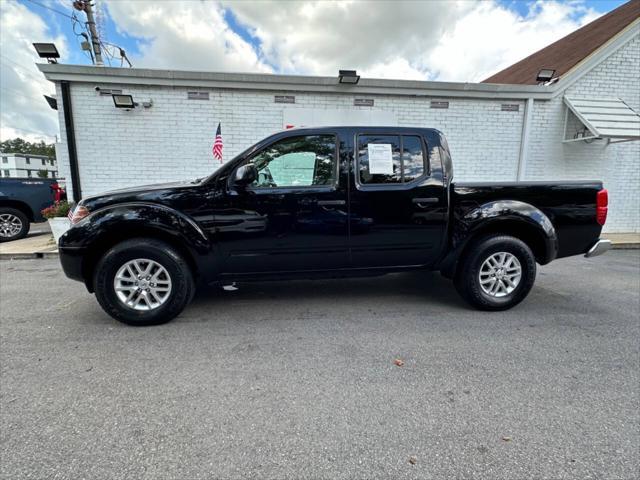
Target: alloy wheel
pixel 142 284
pixel 500 274
pixel 10 225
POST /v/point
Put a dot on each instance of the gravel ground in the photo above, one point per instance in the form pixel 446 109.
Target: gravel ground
pixel 298 380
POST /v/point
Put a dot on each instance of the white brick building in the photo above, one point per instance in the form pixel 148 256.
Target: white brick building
pixel 496 132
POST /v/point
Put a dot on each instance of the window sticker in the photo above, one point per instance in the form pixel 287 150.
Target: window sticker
pixel 380 159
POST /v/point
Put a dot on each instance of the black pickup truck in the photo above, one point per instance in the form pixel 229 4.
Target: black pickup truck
pixel 327 202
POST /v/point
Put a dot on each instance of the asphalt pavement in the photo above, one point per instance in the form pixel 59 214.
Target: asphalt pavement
pixel 300 380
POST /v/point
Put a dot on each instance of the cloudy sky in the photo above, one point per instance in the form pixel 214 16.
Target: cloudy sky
pixel 450 40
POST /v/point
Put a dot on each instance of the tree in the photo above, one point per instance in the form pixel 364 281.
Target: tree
pixel 18 145
pixel 43 174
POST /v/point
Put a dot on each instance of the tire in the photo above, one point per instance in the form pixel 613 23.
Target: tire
pixel 166 298
pixel 14 224
pixel 484 257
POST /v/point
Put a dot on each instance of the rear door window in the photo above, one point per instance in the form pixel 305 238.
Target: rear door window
pixel 412 158
pixel 379 159
pixel 390 159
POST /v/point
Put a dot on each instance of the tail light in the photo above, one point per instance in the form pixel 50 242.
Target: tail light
pixel 79 213
pixel 602 206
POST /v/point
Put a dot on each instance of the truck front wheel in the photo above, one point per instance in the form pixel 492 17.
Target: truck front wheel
pixel 496 273
pixel 143 282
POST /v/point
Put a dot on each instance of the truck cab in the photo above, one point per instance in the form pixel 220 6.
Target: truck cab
pixel 327 199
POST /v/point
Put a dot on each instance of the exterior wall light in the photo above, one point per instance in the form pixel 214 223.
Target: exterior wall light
pixel 48 51
pixel 348 76
pixel 545 75
pixel 124 101
pixel 51 100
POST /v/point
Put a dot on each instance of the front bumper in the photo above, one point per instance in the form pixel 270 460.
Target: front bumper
pixel 71 261
pixel 598 248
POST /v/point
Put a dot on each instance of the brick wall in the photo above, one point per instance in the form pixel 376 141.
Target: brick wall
pixel 172 140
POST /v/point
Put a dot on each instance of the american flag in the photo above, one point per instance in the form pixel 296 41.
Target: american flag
pixel 217 145
pixel 70 214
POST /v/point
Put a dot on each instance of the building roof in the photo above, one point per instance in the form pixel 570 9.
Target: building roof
pixel 563 55
pixel 23 155
pixel 106 76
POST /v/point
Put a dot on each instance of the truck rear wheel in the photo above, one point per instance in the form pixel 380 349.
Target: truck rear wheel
pixel 13 224
pixel 143 282
pixel 496 273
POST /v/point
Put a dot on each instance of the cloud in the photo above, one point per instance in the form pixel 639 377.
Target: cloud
pixel 453 40
pixel 23 110
pixel 322 37
pixel 490 37
pixel 184 35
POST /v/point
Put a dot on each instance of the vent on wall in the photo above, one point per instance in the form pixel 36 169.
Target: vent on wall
pixel 197 95
pixel 510 107
pixel 284 99
pixel 439 104
pixel 108 91
pixel 363 102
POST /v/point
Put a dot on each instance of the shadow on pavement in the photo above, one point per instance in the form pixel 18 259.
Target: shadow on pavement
pixel 429 287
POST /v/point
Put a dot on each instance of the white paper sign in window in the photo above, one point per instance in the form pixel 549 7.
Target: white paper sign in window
pixel 380 159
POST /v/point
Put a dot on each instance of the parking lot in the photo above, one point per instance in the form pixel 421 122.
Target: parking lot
pixel 299 380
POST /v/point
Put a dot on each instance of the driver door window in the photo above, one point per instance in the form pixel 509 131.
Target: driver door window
pixel 304 161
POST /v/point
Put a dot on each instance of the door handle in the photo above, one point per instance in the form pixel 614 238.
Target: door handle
pixel 422 202
pixel 326 203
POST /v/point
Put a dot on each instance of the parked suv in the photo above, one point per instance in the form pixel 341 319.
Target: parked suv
pixel 327 202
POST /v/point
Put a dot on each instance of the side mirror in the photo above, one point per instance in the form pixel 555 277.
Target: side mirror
pixel 245 175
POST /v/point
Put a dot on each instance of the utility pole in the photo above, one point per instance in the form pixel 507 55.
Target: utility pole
pixel 85 5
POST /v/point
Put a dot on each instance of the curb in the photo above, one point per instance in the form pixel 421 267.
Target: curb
pixel 54 254
pixel 622 246
pixel 28 256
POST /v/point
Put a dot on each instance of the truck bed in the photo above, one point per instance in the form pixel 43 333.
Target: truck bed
pixel 569 205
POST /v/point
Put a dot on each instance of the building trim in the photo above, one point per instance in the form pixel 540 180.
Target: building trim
pixel 524 140
pixel 288 83
pixel 23 155
pixel 71 140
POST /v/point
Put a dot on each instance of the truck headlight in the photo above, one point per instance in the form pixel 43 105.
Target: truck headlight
pixel 79 213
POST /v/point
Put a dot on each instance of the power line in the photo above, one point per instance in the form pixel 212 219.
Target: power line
pixel 123 54
pixel 90 28
pixel 52 9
